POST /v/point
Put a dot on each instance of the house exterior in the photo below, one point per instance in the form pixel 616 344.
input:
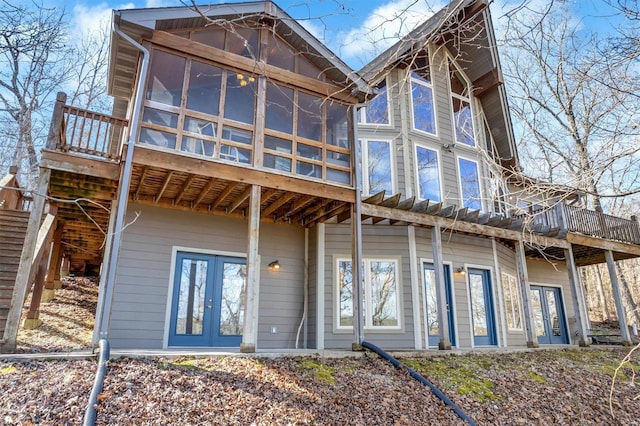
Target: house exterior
pixel 245 170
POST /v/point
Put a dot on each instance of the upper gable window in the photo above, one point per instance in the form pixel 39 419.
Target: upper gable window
pixel 461 103
pixel 428 169
pixel 241 41
pixel 377 166
pixel 377 110
pixel 470 192
pixel 423 107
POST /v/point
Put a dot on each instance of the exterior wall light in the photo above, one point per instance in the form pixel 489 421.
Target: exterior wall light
pixel 460 270
pixel 274 266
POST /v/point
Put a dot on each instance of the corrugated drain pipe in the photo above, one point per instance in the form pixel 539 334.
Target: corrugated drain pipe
pixel 91 413
pixel 413 373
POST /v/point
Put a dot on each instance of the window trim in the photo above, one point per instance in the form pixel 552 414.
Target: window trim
pixel 362 114
pixel 417 176
pixel 471 100
pixel 337 327
pixel 505 278
pixel 478 169
pixel 365 164
pixel 431 85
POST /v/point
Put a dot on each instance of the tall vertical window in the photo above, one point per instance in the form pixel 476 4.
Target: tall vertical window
pixel 382 294
pixel 511 302
pixel 428 171
pixel 423 106
pixel 377 110
pixel 377 167
pixel 470 193
pixel 461 102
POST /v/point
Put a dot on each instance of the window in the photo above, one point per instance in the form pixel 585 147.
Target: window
pixel 381 294
pixel 461 103
pixel 428 171
pixel 423 106
pixel 378 173
pixel 511 302
pixel 377 110
pixel 469 184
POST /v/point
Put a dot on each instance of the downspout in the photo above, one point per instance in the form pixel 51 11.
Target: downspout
pixel 305 284
pixel 125 181
pixel 91 412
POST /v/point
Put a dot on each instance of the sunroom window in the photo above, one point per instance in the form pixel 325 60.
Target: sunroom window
pixel 423 107
pixel 428 171
pixel 470 192
pixel 377 110
pixel 461 103
pixel 377 166
pixel 511 302
pixel 381 294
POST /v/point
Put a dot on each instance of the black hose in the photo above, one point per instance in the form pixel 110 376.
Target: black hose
pixel 413 373
pixel 90 414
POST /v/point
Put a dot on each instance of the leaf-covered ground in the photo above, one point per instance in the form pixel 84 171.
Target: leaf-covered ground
pixel 541 387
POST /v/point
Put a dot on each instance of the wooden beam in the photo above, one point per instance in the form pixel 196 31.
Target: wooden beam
pixel 460 226
pixel 525 291
pixel 617 298
pixel 224 194
pixel 252 285
pixel 239 200
pixel 184 187
pixel 486 82
pixel 250 65
pixel 441 293
pixel 77 164
pixel 145 170
pixel 615 246
pixel 203 193
pixel 577 297
pixel 221 170
pixel 158 196
pixel 278 203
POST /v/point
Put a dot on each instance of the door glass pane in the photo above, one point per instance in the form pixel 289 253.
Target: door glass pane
pixel 552 306
pixel 536 305
pixel 433 327
pixel 384 299
pixel 232 303
pixel 191 295
pixel 478 305
pixel 346 292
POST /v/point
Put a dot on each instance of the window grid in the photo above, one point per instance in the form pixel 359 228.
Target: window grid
pixel 511 302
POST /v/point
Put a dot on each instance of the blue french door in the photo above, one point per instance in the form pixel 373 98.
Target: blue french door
pixel 431 297
pixel 548 312
pixel 482 311
pixel 208 300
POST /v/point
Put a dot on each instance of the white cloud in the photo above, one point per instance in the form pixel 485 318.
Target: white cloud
pixel 384 26
pixel 89 19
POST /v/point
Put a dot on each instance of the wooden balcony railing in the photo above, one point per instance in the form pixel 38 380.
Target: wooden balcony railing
pixel 86 132
pixel 563 218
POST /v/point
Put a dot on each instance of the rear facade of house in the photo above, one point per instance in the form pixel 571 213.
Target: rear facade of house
pixel 256 169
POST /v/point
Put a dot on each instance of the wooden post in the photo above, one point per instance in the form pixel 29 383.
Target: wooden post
pixel 441 293
pixel 24 273
pixel 249 333
pixel 32 321
pixel 523 277
pixel 56 121
pixel 577 297
pixel 54 266
pixel 357 277
pixel 622 318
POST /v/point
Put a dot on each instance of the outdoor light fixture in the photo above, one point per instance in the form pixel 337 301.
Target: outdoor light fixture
pixel 274 266
pixel 460 270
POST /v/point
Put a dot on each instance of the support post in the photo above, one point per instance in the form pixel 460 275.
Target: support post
pixel 54 266
pixel 443 308
pixel 577 297
pixel 32 320
pixel 523 278
pixel 615 287
pixel 249 332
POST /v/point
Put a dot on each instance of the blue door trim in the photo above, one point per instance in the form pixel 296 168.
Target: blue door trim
pixel 490 338
pixel 555 329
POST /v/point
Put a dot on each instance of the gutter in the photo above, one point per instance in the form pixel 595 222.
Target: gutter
pixel 125 181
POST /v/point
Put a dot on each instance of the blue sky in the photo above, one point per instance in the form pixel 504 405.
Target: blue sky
pixel 354 29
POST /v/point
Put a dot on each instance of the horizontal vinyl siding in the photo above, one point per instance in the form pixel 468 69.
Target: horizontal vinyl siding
pixel 143 278
pixel 378 242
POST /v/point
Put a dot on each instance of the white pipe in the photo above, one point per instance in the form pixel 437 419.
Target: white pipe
pixel 125 181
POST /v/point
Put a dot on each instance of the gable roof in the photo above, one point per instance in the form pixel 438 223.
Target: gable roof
pixel 466 29
pixel 141 23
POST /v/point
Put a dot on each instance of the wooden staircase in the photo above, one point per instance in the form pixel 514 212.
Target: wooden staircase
pixel 13 227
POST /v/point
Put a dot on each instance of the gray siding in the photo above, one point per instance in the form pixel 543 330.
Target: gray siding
pixel 312 313
pixel 378 241
pixel 143 278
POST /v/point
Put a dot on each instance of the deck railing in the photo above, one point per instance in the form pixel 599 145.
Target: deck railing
pixel 563 218
pixel 86 132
